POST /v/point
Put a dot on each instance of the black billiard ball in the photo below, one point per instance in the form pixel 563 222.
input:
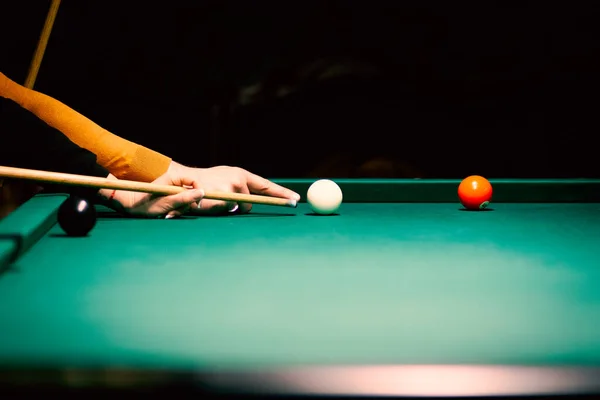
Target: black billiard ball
pixel 76 216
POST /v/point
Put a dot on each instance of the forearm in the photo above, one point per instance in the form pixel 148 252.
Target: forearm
pixel 30 143
pixel 123 158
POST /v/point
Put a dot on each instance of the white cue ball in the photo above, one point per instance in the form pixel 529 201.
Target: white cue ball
pixel 324 196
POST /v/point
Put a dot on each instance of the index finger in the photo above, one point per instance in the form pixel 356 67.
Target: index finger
pixel 259 185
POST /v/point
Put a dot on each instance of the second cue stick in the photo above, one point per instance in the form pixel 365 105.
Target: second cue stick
pixel 36 61
pixel 134 186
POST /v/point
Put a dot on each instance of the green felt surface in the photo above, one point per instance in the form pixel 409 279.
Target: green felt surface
pixel 379 283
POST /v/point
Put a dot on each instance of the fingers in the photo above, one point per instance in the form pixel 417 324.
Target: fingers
pixel 214 207
pixel 184 198
pixel 178 212
pixel 244 182
pixel 243 208
pixel 219 207
pixel 173 214
pixel 187 181
pixel 175 205
pixel 260 185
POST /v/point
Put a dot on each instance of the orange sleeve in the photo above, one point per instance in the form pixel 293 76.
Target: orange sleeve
pixel 123 158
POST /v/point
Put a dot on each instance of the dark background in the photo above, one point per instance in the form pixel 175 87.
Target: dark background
pixel 329 88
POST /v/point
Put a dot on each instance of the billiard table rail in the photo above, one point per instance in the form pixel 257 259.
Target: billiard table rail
pixel 21 229
pixel 446 190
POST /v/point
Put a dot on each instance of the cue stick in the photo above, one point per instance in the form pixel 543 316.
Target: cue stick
pixel 34 67
pixel 134 186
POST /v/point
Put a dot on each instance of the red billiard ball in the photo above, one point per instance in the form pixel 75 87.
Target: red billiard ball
pixel 475 192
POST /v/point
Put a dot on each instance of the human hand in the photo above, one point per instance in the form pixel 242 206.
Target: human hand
pixel 152 205
pixel 230 180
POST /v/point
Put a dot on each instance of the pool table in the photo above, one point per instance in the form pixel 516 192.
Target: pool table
pixel 402 293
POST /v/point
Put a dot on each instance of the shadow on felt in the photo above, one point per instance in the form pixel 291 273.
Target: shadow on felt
pixel 312 214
